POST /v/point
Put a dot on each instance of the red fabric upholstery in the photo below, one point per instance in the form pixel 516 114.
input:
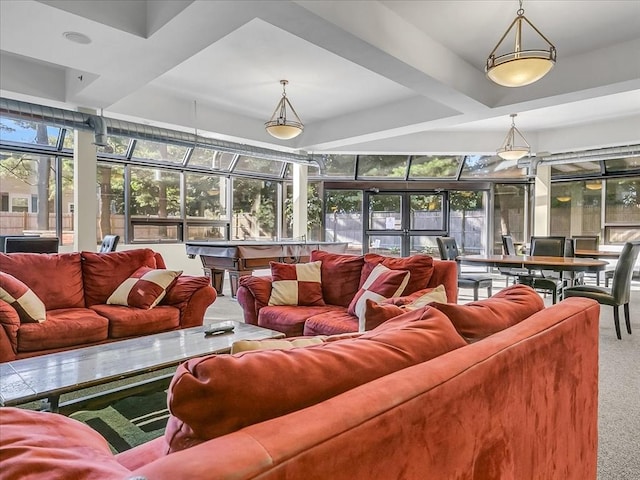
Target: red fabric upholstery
pixel 10 323
pixel 347 268
pixel 37 445
pixel 65 327
pixel 55 278
pixel 29 307
pixel 218 394
pixel 331 323
pixel 290 319
pixel 252 295
pixel 104 272
pixel 506 308
pixel 419 266
pixel 130 322
pixel 521 404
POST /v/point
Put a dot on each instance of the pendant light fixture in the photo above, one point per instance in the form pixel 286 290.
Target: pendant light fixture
pixel 279 126
pixel 520 67
pixel 510 149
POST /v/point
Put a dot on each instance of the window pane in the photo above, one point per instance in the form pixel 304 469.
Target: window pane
pixel 28 181
pixel 110 179
pixel 159 151
pixel 206 233
pixel 468 221
pixel 575 209
pixel 154 233
pixel 426 212
pixel 33 133
pixel 68 205
pixel 581 168
pixel 155 193
pixel 340 166
pixel 116 145
pixel 622 211
pixel 343 218
pixel 206 157
pixel 259 165
pixel 385 212
pixel 510 204
pixel 382 166
pixel 388 245
pixel 434 166
pixel 314 212
pixel 206 196
pixel 477 166
pixel 254 209
pixel 622 164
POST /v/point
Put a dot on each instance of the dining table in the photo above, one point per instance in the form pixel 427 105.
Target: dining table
pixel 558 264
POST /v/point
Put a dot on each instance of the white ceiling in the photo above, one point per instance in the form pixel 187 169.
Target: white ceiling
pixel 365 76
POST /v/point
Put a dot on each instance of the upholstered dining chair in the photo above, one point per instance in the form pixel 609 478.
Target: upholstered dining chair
pixel 31 244
pixel 620 290
pixel 109 243
pixel 546 281
pixel 449 251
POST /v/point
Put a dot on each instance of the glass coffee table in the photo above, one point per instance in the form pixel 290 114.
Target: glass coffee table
pixel 50 376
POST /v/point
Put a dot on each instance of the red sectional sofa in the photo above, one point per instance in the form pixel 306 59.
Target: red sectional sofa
pixel 342 277
pixel 74 288
pixel 410 399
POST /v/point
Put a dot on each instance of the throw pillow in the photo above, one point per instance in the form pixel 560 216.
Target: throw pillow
pixel 419 266
pixel 144 288
pixel 506 308
pixel 344 271
pixel 296 284
pixel 383 283
pixel 275 344
pixel 29 307
pixel 377 313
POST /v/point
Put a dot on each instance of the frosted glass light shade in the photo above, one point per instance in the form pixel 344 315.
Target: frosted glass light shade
pixel 519 72
pixel 283 132
pixel 516 153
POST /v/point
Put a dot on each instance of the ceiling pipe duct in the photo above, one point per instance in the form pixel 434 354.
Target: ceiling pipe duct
pixel 99 130
pixel 600 154
pixel 83 121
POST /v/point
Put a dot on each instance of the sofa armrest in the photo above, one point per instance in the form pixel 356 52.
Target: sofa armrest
pixel 445 272
pixel 10 323
pixel 192 295
pixel 253 294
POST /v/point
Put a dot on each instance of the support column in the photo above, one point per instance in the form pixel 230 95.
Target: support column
pixel 542 201
pixel 85 198
pixel 299 201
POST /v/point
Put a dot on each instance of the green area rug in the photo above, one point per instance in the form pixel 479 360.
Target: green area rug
pixel 129 422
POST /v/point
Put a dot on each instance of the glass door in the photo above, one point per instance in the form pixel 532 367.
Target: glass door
pixel 404 223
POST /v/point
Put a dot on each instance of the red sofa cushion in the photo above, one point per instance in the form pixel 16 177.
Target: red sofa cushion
pixel 340 276
pixel 45 445
pixel 130 322
pixel 296 284
pixel 479 319
pixel 65 327
pixel 289 319
pixel 331 323
pixel 104 272
pixel 420 267
pixel 29 307
pixel 55 278
pixel 218 394
pixel 381 284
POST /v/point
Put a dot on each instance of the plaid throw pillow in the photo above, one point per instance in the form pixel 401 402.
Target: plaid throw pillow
pixel 144 288
pixel 380 285
pixel 29 307
pixel 296 284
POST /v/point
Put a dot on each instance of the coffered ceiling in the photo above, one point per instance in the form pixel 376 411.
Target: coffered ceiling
pixel 364 76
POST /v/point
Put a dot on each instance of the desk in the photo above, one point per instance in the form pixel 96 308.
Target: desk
pixel 241 258
pixel 49 376
pixel 558 264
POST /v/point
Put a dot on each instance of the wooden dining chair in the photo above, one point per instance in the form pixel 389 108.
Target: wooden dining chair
pixel 547 281
pixel 620 291
pixel 449 251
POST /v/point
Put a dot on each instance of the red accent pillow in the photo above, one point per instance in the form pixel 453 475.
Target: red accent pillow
pixel 382 284
pixel 420 266
pixel 144 288
pixel 296 284
pixel 29 307
pixel 344 271
pixel 377 313
pixel 506 308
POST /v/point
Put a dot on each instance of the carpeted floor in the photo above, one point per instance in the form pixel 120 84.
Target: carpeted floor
pixel 129 422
